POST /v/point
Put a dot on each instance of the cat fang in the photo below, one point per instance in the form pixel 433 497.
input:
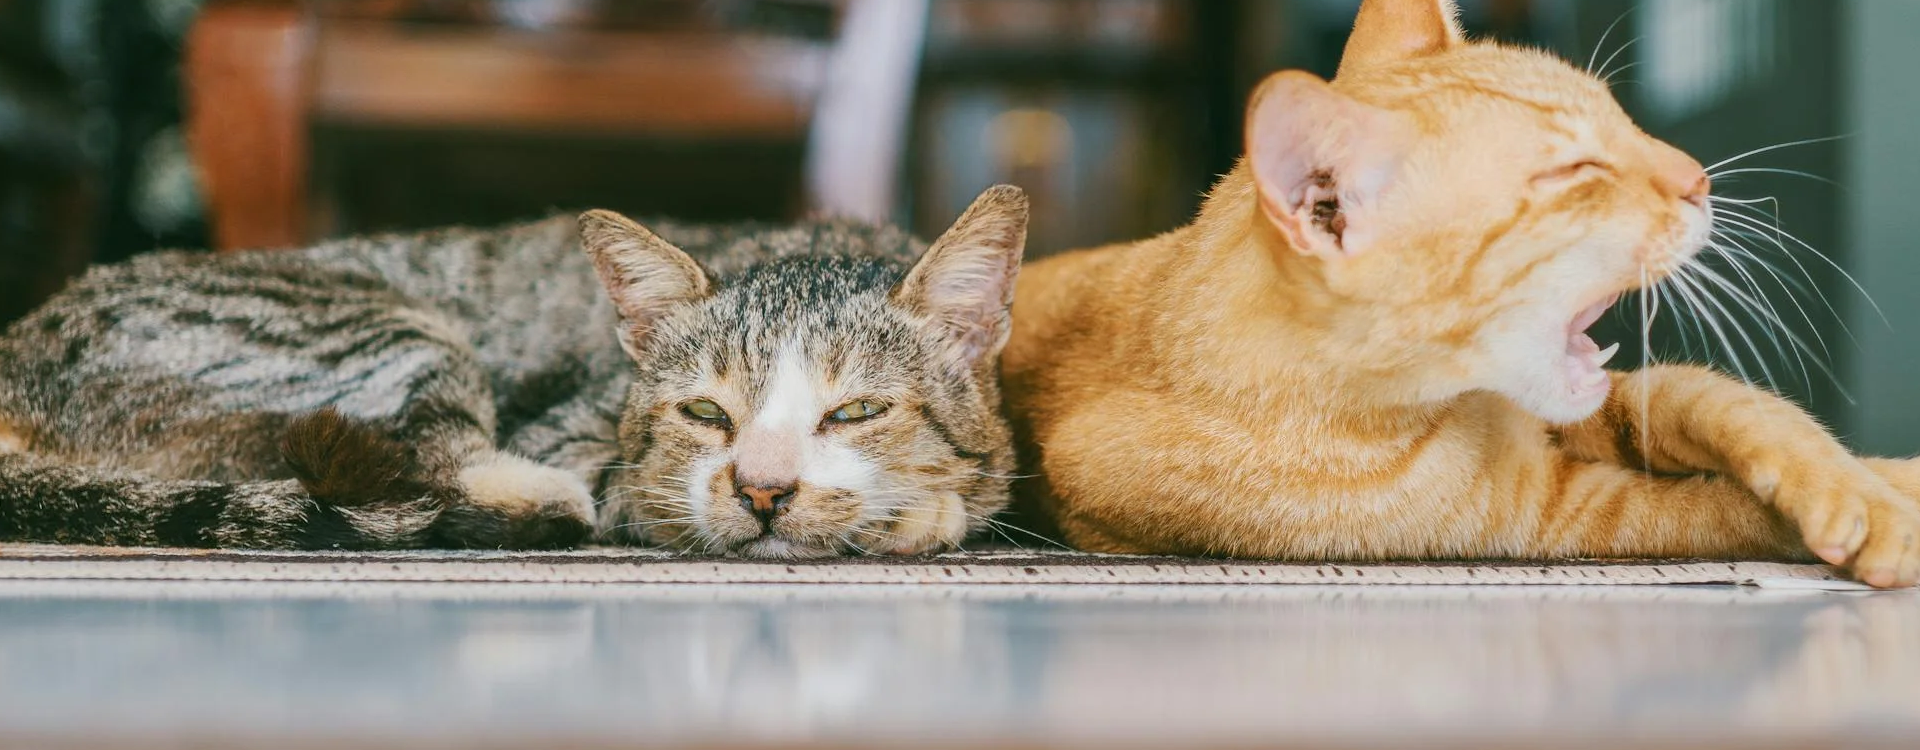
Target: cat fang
pixel 1585 360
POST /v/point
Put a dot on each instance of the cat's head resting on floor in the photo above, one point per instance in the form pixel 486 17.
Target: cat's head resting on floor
pixel 1465 209
pixel 815 403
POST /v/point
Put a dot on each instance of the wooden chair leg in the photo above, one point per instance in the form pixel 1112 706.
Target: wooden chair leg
pixel 249 81
pixel 860 123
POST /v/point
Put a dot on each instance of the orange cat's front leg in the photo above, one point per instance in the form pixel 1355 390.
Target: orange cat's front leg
pixel 1678 419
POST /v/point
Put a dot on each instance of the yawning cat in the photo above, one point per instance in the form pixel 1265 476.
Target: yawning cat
pixel 799 391
pixel 1371 343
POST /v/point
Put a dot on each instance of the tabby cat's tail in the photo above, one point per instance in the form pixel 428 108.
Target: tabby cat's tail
pixel 353 489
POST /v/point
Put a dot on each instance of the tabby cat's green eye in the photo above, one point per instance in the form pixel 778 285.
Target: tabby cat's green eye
pixel 704 410
pixel 857 410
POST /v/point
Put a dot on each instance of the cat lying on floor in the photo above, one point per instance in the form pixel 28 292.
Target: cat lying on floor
pixel 1371 343
pixel 796 391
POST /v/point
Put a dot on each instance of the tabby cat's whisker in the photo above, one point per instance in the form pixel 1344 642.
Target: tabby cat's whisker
pixel 1010 477
pixel 878 536
pixel 661 495
pixel 1002 527
pixel 997 526
pixel 652 522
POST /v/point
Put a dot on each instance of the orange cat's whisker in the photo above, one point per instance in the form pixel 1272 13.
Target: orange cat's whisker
pixel 1717 176
pixel 1604 35
pixel 1608 77
pixel 1771 314
pixel 1800 351
pixel 1650 299
pixel 1689 317
pixel 1693 293
pixel 1753 305
pixel 1782 234
pixel 1741 300
pixel 1738 231
pixel 1730 248
pixel 1775 147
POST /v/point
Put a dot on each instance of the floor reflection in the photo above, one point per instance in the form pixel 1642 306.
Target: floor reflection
pixel 760 662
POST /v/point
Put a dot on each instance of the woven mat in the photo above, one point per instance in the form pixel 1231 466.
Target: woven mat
pixel 1005 566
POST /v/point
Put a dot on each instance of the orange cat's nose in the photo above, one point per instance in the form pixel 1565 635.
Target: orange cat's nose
pixel 1680 176
pixel 1697 193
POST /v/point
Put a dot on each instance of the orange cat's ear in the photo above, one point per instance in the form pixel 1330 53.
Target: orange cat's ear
pixel 1320 160
pixel 1392 30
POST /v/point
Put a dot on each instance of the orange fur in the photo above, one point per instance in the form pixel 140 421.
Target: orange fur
pixel 11 441
pixel 1355 351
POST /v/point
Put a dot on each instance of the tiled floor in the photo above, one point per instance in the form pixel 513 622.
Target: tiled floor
pixel 147 664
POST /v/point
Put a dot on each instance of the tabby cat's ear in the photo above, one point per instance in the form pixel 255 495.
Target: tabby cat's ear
pixel 964 284
pixel 645 276
pixel 1321 160
pixel 1388 31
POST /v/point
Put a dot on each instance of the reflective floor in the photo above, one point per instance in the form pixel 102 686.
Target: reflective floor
pixel 878 666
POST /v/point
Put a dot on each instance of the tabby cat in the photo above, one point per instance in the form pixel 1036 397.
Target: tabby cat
pixel 799 391
pixel 1371 343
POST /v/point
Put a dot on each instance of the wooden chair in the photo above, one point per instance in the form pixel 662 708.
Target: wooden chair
pixel 261 75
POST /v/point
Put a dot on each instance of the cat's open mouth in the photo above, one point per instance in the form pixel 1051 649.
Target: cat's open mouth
pixel 1585 360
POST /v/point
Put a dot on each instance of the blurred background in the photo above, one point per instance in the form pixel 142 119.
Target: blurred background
pixel 130 125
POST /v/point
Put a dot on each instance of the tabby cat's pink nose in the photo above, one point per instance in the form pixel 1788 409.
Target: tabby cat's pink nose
pixel 765 503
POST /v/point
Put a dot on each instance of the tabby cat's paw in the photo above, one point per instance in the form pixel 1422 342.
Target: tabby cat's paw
pixel 1850 516
pixel 927 529
pixel 512 503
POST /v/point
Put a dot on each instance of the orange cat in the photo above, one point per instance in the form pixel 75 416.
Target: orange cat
pixel 1371 344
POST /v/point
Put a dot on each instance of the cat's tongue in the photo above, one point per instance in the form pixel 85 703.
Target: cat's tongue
pixel 1585 359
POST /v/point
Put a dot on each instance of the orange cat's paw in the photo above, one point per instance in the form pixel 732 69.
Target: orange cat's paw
pixel 1850 516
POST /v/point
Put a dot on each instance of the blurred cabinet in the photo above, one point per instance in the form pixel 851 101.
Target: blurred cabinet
pixel 49 194
pixel 320 118
pixel 1101 109
pixel 1115 115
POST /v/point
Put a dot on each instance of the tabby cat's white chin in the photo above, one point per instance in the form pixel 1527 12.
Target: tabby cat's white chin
pixel 776 548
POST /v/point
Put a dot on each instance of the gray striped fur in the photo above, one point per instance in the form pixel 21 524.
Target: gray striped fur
pixel 454 388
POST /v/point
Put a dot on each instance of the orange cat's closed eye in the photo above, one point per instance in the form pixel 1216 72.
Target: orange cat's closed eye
pixel 1580 168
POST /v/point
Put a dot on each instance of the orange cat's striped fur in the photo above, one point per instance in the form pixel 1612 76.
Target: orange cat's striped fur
pixel 1370 343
